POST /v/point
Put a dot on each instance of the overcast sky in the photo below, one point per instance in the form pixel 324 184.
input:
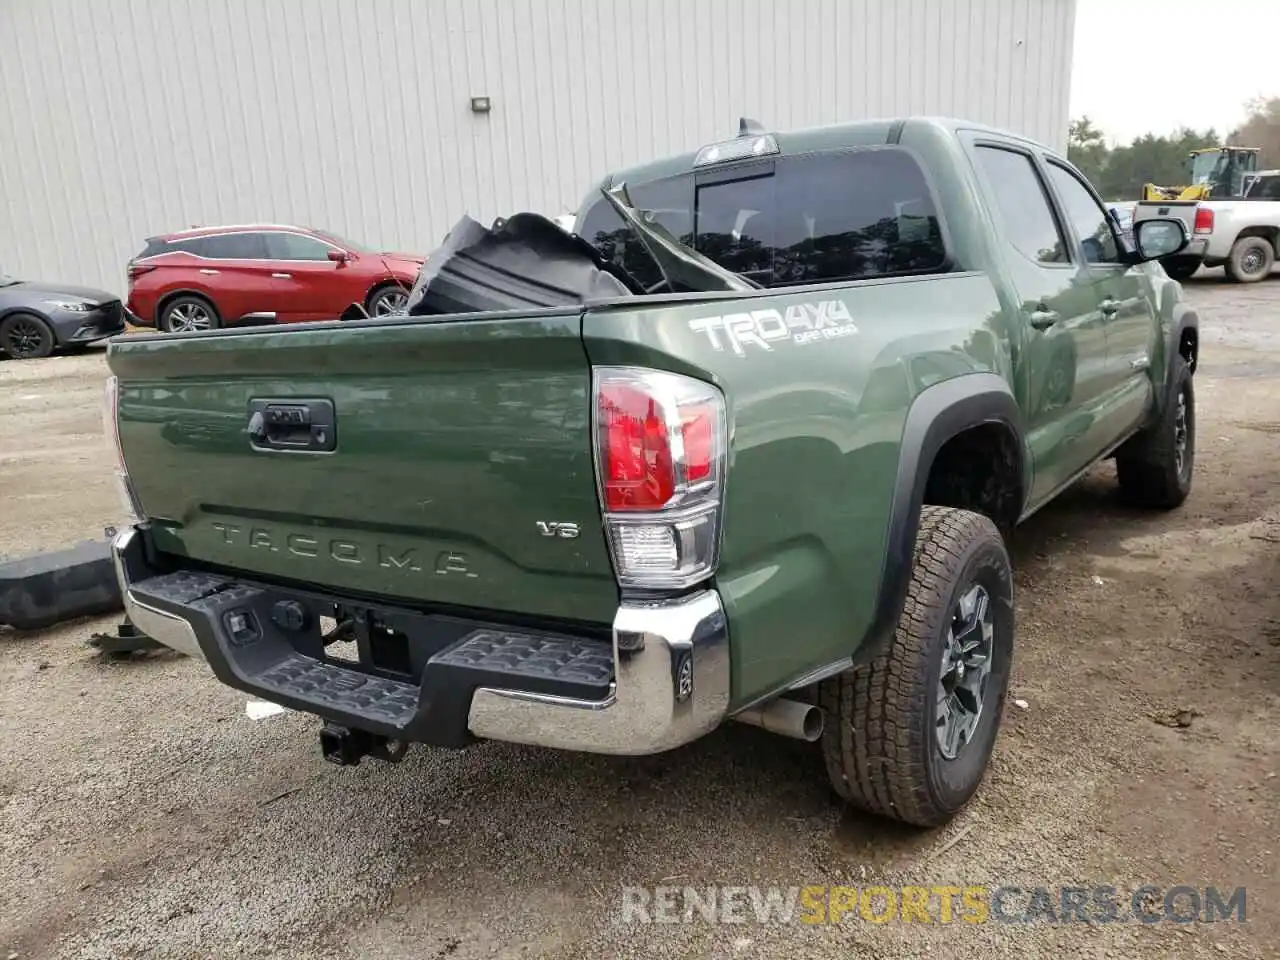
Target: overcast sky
pixel 1150 66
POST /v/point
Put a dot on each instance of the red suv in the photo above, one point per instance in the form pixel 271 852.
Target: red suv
pixel 222 276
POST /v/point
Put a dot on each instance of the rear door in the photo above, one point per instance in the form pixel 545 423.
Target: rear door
pixel 1063 365
pixel 235 270
pixel 312 287
pixel 1128 313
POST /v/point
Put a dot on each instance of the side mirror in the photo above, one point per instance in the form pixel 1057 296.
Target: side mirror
pixel 1159 237
pixel 339 256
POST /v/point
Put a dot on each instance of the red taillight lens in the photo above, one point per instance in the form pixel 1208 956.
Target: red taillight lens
pixel 135 270
pixel 697 429
pixel 636 449
pixel 1204 220
pixel 661 442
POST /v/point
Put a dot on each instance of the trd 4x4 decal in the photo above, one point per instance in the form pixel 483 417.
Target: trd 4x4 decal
pixel 800 323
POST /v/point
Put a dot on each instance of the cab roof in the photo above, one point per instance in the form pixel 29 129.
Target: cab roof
pixel 834 136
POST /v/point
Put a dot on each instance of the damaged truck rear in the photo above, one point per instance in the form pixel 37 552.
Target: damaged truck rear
pixel 744 445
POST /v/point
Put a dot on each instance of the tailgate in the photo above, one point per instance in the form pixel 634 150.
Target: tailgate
pixel 1184 210
pixel 458 446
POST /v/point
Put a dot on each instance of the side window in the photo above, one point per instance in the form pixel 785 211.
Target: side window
pixel 233 246
pixel 1268 188
pixel 293 246
pixel 1091 222
pixel 1023 205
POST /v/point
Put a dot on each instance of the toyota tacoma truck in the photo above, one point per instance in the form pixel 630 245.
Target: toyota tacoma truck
pixel 744 444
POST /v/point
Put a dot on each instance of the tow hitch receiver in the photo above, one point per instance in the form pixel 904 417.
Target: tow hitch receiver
pixel 346 746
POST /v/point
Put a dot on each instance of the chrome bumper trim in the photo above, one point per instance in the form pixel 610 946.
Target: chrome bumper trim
pixel 671 676
pixel 164 628
pixel 671 686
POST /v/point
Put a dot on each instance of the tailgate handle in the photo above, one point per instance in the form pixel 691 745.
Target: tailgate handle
pixel 297 426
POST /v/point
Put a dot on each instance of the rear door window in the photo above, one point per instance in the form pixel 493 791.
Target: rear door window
pixel 813 218
pixel 1022 202
pixel 231 246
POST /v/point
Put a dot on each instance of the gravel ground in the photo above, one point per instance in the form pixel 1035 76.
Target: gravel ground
pixel 143 815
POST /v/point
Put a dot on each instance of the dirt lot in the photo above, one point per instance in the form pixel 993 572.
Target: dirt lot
pixel 143 815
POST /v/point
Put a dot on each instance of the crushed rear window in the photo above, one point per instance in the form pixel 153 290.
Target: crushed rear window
pixel 814 218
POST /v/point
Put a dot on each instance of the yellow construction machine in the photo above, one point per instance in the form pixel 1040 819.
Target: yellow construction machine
pixel 1215 172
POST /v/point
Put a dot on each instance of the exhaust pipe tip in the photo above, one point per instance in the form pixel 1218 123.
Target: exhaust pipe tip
pixel 788 718
pixel 813 723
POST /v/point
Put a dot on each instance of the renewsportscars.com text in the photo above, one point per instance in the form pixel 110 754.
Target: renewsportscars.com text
pixel 941 904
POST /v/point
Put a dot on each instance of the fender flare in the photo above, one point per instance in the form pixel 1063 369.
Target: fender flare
pixel 937 414
pixel 1185 317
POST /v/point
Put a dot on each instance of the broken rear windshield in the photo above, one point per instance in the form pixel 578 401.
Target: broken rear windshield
pixel 813 218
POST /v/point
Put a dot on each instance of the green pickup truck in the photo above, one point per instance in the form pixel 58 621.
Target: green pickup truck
pixel 745 444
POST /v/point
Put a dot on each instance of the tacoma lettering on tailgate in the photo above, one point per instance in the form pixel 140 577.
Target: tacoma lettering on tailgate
pixel 342 550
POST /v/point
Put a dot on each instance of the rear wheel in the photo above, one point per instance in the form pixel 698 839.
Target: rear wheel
pixel 189 313
pixel 909 735
pixel 24 336
pixel 1251 260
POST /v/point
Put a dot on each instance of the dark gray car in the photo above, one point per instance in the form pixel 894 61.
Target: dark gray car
pixel 39 318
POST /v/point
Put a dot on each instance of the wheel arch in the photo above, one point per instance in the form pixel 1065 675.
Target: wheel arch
pixel 167 298
pixel 383 284
pixel 1183 341
pixel 1264 231
pixel 977 407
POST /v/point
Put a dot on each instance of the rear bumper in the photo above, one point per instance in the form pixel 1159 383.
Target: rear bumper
pixel 660 682
pixel 1196 248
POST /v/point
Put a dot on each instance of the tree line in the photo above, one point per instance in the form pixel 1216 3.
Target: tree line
pixel 1120 171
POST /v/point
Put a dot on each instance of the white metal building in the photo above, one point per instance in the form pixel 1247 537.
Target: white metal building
pixel 120 119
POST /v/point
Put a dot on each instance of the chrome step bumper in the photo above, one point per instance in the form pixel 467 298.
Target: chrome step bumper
pixel 662 682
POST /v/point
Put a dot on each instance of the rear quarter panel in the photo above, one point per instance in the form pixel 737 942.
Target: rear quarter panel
pixel 816 426
pixel 1231 217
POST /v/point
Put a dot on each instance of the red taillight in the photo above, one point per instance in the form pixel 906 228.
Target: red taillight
pixel 635 446
pixel 1204 220
pixel 661 441
pixel 697 429
pixel 135 270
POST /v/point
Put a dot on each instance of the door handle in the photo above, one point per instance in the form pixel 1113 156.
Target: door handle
pixel 1044 319
pixel 283 276
pixel 209 273
pixel 1110 307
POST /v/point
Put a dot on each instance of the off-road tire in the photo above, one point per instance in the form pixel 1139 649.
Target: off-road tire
pixel 1250 260
pixel 1147 466
pixel 880 745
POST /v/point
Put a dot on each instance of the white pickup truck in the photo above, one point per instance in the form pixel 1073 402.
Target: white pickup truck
pixel 1241 234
